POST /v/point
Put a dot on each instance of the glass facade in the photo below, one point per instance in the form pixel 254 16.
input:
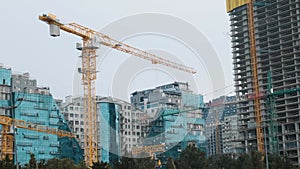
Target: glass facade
pixel 109 132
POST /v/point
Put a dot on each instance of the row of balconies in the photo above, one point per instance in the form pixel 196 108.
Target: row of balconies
pixel 283 32
pixel 274 25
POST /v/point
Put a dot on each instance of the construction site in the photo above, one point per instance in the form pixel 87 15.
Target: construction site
pixel 262 115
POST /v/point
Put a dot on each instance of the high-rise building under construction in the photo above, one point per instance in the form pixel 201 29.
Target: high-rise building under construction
pixel 266 59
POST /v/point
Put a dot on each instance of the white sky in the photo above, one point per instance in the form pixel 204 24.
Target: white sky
pixel 27 47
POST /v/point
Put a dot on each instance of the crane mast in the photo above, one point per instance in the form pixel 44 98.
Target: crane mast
pixel 90 40
pixel 90 117
pixel 253 56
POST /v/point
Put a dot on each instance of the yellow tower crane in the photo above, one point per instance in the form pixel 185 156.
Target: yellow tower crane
pixel 91 39
pixel 8 138
pixel 232 4
pixel 253 56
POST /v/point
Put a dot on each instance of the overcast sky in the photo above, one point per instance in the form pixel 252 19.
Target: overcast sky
pixel 27 47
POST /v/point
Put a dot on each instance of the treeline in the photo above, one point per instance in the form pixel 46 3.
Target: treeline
pixel 191 158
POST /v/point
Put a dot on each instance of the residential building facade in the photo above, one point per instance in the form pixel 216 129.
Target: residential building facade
pixel 221 126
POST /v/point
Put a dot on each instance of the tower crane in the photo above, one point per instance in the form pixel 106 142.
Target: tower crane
pixel 270 103
pixel 91 39
pixel 231 4
pixel 7 136
pixel 253 56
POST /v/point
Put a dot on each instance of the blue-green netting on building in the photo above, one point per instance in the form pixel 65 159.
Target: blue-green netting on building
pixel 37 109
pixel 5 76
pixel 178 130
pixel 5 95
pixel 192 100
pixel 109 132
pixel 42 110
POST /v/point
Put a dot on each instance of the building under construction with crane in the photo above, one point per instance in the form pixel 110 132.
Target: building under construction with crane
pixel 91 41
pixel 266 59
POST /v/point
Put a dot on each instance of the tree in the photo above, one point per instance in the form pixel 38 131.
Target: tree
pixel 192 158
pixel 132 163
pixel 170 164
pixel 221 161
pixel 82 165
pixel 100 165
pixel 32 162
pixel 7 163
pixel 277 162
pixel 60 164
pixel 251 161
